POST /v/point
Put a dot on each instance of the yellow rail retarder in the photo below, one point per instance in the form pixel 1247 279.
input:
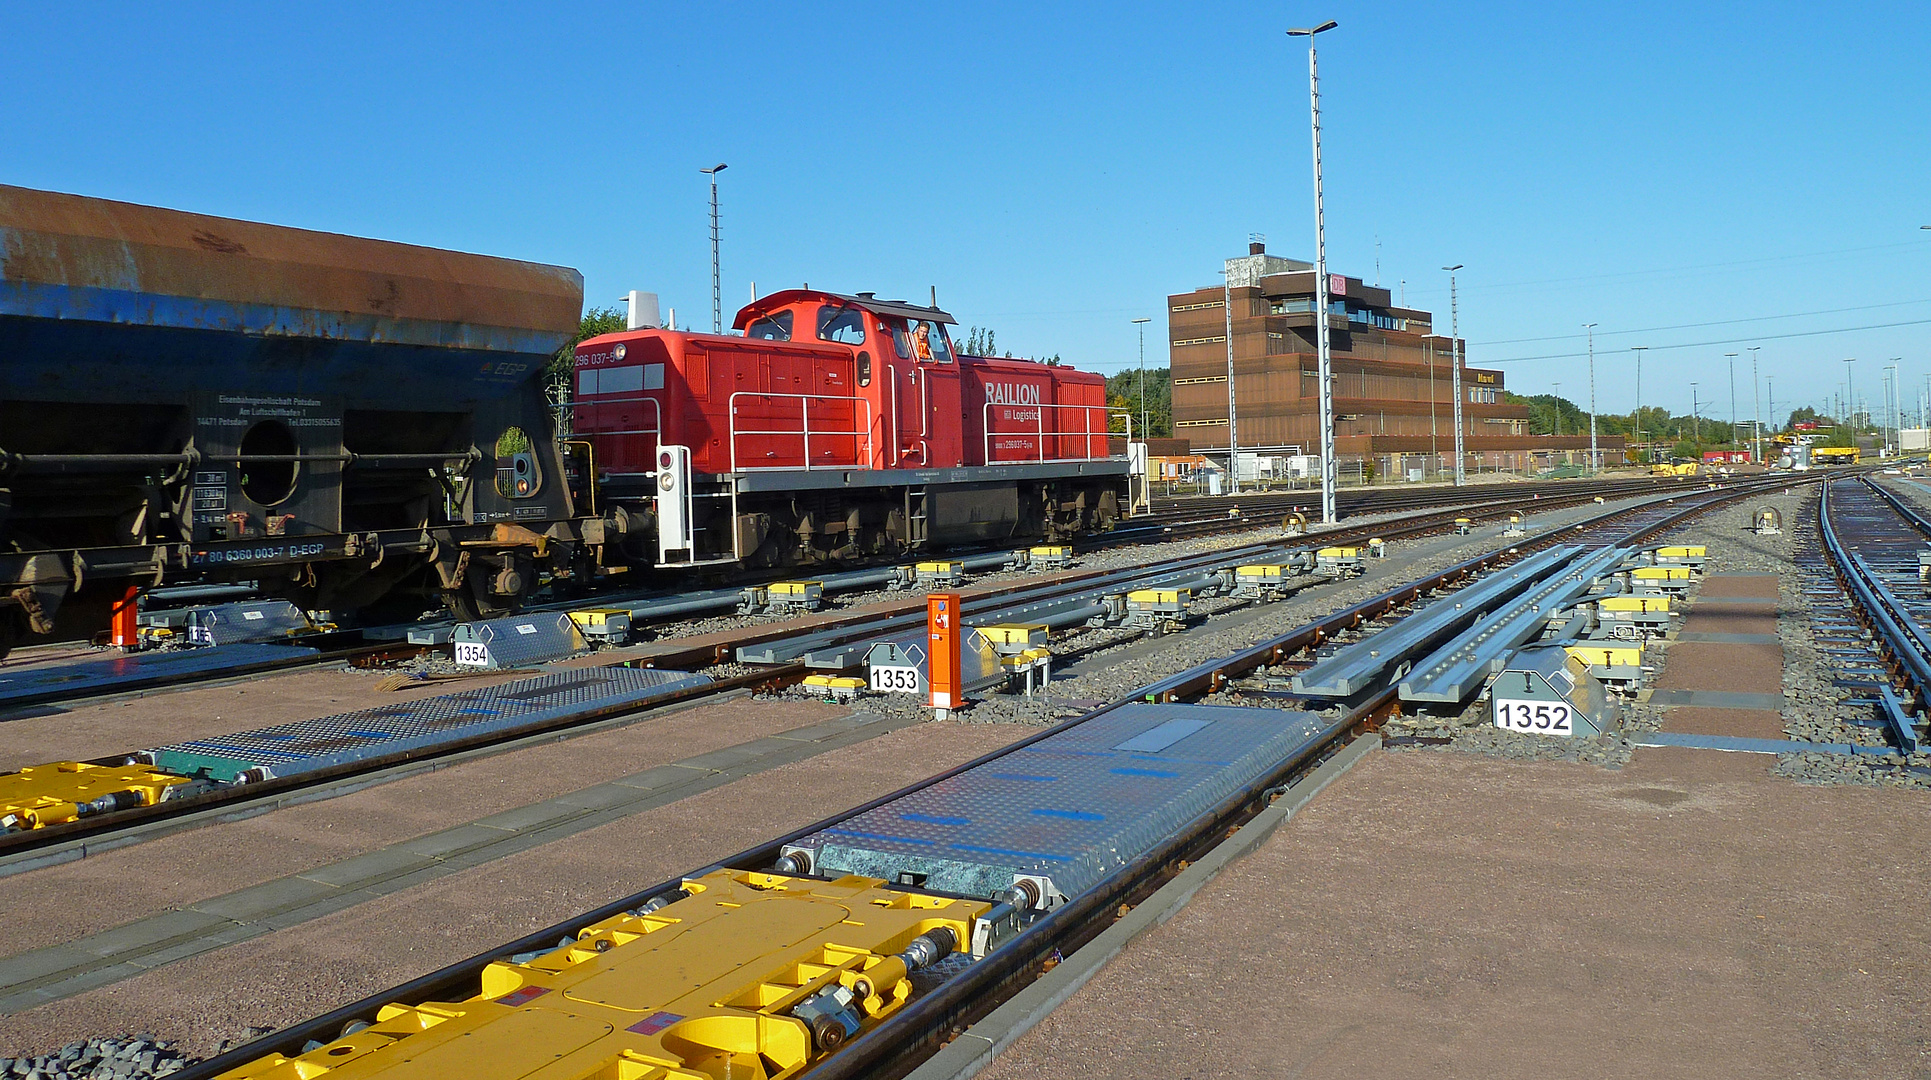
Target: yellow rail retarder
pixel 749 974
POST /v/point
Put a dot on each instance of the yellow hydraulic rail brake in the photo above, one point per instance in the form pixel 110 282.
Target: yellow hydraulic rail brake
pixel 747 975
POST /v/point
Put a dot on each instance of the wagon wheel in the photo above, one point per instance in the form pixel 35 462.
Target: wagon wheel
pixel 482 595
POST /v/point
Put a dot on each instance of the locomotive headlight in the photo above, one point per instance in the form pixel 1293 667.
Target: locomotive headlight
pixel 664 460
pixel 618 351
pixel 666 481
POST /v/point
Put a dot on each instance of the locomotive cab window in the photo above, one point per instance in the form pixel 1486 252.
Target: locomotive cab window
pixel 773 327
pixel 929 344
pixel 844 325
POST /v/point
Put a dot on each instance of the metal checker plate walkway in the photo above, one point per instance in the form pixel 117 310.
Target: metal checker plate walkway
pixel 1071 808
pixel 143 669
pixel 309 745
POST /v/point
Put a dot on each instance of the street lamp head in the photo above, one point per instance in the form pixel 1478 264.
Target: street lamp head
pixel 715 169
pixel 1305 32
pixel 1452 269
pixel 1142 320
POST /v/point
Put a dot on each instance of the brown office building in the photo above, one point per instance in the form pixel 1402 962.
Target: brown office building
pixel 1393 378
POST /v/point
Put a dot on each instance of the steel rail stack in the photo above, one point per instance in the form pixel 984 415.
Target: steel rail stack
pixel 896 1042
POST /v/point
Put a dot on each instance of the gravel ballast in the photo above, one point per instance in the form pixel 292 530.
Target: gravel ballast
pixel 127 1057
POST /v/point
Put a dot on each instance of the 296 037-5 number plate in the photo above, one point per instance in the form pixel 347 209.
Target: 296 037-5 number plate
pixel 1536 717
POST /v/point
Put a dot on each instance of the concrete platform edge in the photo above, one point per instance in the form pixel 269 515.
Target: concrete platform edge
pixel 979 1044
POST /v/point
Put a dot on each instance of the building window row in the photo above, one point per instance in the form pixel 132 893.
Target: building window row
pixel 1197 382
pixel 1200 341
pixel 1376 319
pixel 1480 396
pixel 1222 422
pixel 1198 307
pixel 1305 304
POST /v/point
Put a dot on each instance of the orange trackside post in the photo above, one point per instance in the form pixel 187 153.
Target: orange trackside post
pixel 126 635
pixel 942 631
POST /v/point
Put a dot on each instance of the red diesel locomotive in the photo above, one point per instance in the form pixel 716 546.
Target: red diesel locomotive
pixel 837 427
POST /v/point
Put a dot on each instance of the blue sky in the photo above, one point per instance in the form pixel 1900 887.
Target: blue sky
pixel 1058 170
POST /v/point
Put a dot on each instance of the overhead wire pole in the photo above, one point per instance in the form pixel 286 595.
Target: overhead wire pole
pixel 1733 395
pixel 1850 398
pixel 1145 433
pixel 1595 459
pixel 1324 358
pixel 717 297
pixel 1638 419
pixel 1893 405
pixel 1455 382
pixel 1756 398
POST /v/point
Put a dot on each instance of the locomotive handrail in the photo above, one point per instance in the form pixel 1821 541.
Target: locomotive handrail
pixel 925 416
pixel 804 429
pixel 1041 434
pixel 656 415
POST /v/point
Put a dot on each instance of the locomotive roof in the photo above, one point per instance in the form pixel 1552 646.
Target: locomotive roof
pixel 786 297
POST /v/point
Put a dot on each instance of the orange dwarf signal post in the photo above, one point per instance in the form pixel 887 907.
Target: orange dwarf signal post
pixel 942 631
pixel 125 613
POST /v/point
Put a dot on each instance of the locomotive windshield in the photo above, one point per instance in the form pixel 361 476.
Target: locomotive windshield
pixel 844 325
pixel 773 327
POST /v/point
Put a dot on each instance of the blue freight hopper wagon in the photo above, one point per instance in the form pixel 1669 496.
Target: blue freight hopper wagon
pixel 185 397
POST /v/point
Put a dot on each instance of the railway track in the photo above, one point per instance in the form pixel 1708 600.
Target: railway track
pixel 96 679
pixel 1188 513
pixel 370 757
pixel 925 1022
pixel 1877 547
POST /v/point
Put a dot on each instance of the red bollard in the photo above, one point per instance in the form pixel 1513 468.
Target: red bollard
pixel 125 633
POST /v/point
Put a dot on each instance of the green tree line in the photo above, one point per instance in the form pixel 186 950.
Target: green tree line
pixel 1123 392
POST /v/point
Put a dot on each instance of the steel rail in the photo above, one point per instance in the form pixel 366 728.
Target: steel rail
pixel 894 1047
pixel 241 797
pixel 1899 635
pixel 1388 529
pixel 353 655
pixel 238 798
pixel 1406 527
